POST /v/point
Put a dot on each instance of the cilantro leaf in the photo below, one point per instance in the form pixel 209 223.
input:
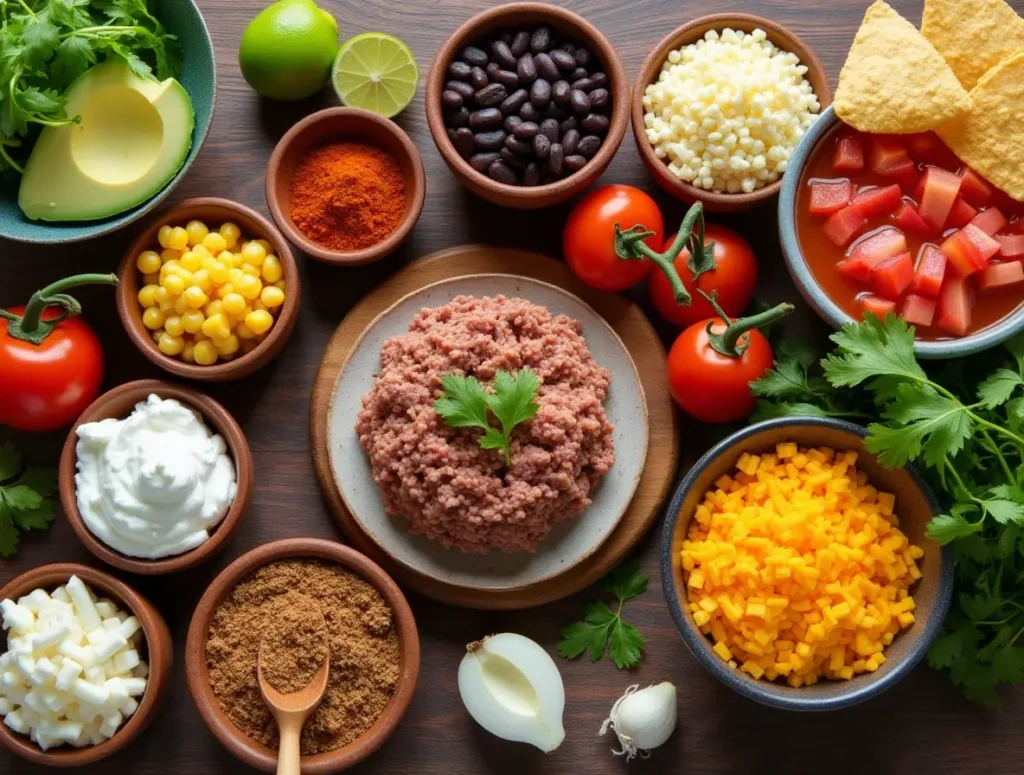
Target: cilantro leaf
pixel 24 498
pixel 73 57
pixel 464 403
pixel 1005 512
pixel 926 421
pixel 1008 665
pixel 10 461
pixel 21 498
pixel 998 387
pixel 948 527
pixel 873 349
pixel 39 38
pixel 513 398
pixel 625 581
pixel 625 645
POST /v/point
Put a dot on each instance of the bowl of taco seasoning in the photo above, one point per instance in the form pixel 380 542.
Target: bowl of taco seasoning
pixel 346 186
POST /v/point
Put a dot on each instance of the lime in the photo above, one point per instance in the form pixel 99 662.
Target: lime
pixel 287 49
pixel 376 71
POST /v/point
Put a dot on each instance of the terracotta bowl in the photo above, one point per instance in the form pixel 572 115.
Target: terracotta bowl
pixel 119 403
pixel 651 68
pixel 210 210
pixel 159 654
pixel 563 22
pixel 336 124
pixel 248 750
pixel 915 506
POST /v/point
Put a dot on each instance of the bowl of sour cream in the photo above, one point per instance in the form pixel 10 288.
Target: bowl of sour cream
pixel 154 477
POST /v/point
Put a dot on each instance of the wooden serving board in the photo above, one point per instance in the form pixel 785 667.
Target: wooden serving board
pixel 640 339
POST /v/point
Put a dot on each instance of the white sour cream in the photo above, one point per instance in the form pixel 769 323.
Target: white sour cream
pixel 154 484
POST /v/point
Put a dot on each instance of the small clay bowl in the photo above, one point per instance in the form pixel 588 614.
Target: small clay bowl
pixel 689 33
pixel 915 506
pixel 563 22
pixel 213 212
pixel 338 124
pixel 119 403
pixel 248 750
pixel 156 642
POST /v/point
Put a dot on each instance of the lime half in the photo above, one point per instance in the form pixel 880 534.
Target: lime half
pixel 375 71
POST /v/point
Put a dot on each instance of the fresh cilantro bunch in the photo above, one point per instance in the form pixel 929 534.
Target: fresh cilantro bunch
pixel 465 404
pixel 25 498
pixel 46 44
pixel 602 628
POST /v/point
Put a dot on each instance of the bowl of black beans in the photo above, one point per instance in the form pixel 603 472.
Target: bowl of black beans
pixel 527 104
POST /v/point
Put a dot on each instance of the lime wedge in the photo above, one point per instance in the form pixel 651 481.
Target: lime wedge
pixel 375 71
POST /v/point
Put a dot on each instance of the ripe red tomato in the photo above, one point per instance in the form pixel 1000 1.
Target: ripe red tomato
pixel 712 387
pixel 734 277
pixel 46 386
pixel 588 241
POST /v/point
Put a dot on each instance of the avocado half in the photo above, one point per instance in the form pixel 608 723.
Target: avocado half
pixel 134 135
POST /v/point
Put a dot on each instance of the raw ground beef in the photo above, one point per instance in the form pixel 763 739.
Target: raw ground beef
pixel 439 478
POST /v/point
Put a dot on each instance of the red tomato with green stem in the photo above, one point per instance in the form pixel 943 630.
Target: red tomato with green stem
pixel 51 362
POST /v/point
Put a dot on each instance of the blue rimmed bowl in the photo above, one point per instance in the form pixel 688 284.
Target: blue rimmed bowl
pixel 915 506
pixel 199 77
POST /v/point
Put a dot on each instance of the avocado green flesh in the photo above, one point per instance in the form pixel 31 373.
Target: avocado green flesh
pixel 134 135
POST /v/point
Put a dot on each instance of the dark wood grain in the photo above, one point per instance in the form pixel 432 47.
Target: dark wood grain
pixel 922 725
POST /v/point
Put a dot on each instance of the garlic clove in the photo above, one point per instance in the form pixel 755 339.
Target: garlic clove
pixel 643 719
pixel 513 689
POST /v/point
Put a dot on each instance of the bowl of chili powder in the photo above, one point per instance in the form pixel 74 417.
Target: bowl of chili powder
pixel 346 186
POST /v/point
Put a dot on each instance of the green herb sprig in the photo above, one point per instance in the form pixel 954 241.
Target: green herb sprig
pixel 25 498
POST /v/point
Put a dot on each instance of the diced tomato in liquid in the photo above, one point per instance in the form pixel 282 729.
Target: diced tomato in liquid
pixel 991 221
pixel 964 258
pixel 829 196
pixel 886 154
pixel 918 311
pixel 883 243
pixel 960 214
pixel 876 202
pixel 909 221
pixel 876 305
pixel 985 245
pixel 999 275
pixel 844 225
pixel 938 193
pixel 1011 245
pixel 891 276
pixel 849 156
pixel 931 269
pixel 928 148
pixel 975 190
pixel 953 314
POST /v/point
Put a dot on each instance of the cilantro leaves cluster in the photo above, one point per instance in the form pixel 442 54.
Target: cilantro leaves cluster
pixel 25 498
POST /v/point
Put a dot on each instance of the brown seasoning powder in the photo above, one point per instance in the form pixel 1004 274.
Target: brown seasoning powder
pixel 363 644
pixel 295 643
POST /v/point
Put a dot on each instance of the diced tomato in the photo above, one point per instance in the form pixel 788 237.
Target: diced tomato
pixel 882 243
pixel 891 276
pixel 1015 226
pixel 876 202
pixel 986 246
pixel 829 196
pixel 927 148
pixel 974 188
pixel 931 268
pixel 843 225
pixel 964 258
pixel 998 275
pixel 908 220
pixel 953 314
pixel 938 193
pixel 1011 245
pixel 917 310
pixel 876 305
pixel 886 154
pixel 990 221
pixel 849 154
pixel 960 214
pixel 906 175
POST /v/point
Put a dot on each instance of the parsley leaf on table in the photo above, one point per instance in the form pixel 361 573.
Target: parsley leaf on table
pixel 602 629
pixel 25 498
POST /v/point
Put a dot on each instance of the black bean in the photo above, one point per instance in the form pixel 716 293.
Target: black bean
pixel 555 112
pixel 508 78
pixel 579 72
pixel 520 43
pixel 540 93
pixel 451 100
pixel 508 156
pixel 503 54
pixel 458 118
pixel 575 162
pixel 595 124
pixel 529 112
pixel 500 172
pixel 588 146
pixel 549 128
pixel 540 40
pixel 490 95
pixel 600 99
pixel 478 78
pixel 569 123
pixel 582 56
pixel 584 85
pixel 600 80
pixel 511 123
pixel 570 140
pixel 541 147
pixel 490 141
pixel 567 46
pixel 475 56
pixel 460 87
pixel 515 101
pixel 563 60
pixel 481 161
pixel 464 142
pixel 526 130
pixel 579 102
pixel 556 158
pixel 491 69
pixel 531 175
pixel 526 69
pixel 546 68
pixel 522 147
pixel 560 92
pixel 488 118
pixel 459 71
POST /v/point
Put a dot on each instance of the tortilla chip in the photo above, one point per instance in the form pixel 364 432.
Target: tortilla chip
pixel 894 81
pixel 973 35
pixel 991 138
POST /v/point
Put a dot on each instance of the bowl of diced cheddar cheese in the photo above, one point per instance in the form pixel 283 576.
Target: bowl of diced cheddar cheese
pixel 796 565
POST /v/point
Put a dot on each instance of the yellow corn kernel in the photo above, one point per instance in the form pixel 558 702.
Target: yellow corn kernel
pixel 155 335
pixel 147 296
pixel 258 304
pixel 195 298
pixel 272 270
pixel 173 284
pixel 197 231
pixel 178 239
pixel 148 262
pixel 174 326
pixel 235 274
pixel 167 254
pixel 216 326
pixel 227 346
pixel 191 260
pixel 180 306
pixel 259 322
pixel 215 243
pixel 253 254
pixel 153 319
pixel 218 272
pixel 192 320
pixel 272 296
pixel 188 352
pixel 205 353
pixel 201 279
pixel 282 284
pixel 212 308
pixel 243 332
pixel 252 271
pixel 233 303
pixel 171 345
pixel 224 290
pixel 231 233
pixel 249 287
pixel 164 236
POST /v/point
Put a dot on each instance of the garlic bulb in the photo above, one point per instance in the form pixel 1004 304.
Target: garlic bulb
pixel 643 719
pixel 512 688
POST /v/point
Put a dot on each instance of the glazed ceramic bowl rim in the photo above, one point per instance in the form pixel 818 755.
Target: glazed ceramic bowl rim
pixel 237 447
pixel 700 646
pixel 583 29
pixel 816 297
pixel 197 674
pixel 149 619
pixel 347 257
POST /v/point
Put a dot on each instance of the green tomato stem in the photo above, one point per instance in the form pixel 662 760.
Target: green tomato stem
pixel 30 327
pixel 728 342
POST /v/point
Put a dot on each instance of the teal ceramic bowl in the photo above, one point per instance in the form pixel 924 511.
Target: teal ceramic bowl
pixel 198 76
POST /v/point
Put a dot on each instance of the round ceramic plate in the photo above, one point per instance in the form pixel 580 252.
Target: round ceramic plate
pixel 570 542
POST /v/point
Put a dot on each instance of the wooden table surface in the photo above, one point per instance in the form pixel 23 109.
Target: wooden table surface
pixel 921 725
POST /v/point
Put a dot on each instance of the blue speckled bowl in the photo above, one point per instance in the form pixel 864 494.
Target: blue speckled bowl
pixel 198 76
pixel 827 309
pixel 915 505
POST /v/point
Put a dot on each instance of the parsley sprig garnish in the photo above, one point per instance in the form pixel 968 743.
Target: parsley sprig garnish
pixel 25 498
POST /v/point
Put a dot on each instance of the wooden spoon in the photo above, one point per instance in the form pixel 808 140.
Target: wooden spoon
pixel 291 711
